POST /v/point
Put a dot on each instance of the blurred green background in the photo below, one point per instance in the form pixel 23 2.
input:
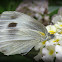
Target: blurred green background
pixel 9 5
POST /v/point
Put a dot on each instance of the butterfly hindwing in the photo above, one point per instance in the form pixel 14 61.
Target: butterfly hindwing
pixel 19 42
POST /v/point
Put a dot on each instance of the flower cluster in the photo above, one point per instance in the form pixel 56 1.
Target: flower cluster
pixel 52 49
pixel 38 9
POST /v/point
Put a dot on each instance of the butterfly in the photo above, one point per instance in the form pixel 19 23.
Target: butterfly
pixel 19 33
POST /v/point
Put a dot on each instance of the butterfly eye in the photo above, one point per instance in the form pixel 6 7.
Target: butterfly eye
pixel 12 24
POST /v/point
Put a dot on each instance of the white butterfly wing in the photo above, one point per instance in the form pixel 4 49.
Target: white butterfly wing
pixel 21 38
pixel 22 20
pixel 18 41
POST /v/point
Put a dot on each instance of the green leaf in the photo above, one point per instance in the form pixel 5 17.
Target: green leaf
pixel 1 9
pixel 14 58
pixel 53 10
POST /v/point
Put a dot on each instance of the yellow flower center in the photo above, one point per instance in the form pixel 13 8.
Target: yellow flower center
pixel 60 25
pixel 56 40
pixel 60 32
pixel 51 52
pixel 44 42
pixel 51 32
pixel 42 33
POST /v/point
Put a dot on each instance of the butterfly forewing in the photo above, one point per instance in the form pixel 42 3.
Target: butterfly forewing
pixel 20 34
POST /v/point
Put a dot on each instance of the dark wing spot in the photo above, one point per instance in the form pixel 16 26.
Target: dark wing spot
pixel 12 24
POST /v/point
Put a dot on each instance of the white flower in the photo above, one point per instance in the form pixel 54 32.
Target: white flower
pixel 52 42
pixel 38 57
pixel 51 29
pixel 58 25
pixel 59 37
pixel 48 53
pixel 57 18
pixel 58 50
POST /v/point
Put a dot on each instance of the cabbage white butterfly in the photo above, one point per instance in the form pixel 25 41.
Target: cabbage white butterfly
pixel 19 33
